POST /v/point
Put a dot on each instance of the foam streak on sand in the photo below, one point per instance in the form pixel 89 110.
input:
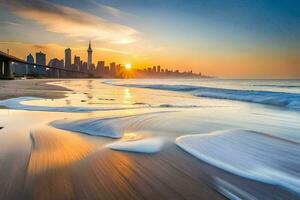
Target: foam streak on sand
pixel 249 154
pixel 148 145
pixel 16 103
pixel 95 126
pixel 108 127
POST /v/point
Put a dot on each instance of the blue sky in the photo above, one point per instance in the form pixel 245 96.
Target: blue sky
pixel 243 34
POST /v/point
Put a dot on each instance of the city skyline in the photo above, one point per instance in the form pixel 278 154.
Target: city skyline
pixel 38 67
pixel 239 39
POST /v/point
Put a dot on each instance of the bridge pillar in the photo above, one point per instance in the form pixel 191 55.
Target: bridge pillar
pixel 7 72
pixel 1 68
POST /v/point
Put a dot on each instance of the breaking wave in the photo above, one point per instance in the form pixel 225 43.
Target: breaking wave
pixel 282 99
pixel 253 155
pixel 279 86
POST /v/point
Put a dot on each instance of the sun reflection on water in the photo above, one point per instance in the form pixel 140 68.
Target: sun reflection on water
pixel 127 98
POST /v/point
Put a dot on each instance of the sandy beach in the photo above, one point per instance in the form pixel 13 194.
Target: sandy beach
pixel 30 87
pixel 65 166
pixel 50 163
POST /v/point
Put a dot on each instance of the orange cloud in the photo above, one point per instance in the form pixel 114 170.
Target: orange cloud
pixel 72 22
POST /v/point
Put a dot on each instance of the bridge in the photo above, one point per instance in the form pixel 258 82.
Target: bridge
pixel 6 71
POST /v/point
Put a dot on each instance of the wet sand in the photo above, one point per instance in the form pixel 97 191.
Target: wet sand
pixel 65 165
pixel 31 87
pixel 86 173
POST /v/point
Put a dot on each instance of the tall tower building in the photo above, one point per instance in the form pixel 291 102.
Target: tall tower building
pixel 41 60
pixel 30 68
pixel 90 52
pixel 68 58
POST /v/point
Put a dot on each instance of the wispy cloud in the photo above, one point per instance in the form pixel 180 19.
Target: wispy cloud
pixel 72 22
pixel 115 12
pixel 8 23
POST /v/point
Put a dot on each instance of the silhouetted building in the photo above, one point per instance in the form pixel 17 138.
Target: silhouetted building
pixel 119 69
pixel 100 67
pixel 77 62
pixel 106 69
pixel 68 57
pixel 113 69
pixel 90 52
pixel 55 63
pixel 92 68
pixel 41 60
pixel 30 68
pixel 73 67
pixel 158 69
pixel 154 69
pixel 84 67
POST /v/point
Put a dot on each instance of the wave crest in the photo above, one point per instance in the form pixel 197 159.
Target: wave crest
pixel 282 99
pixel 249 154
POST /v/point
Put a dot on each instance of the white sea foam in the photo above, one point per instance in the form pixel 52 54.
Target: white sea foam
pixel 108 127
pixel 94 126
pixel 283 99
pixel 148 145
pixel 277 86
pixel 249 154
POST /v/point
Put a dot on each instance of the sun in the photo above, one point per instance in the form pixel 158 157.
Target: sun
pixel 128 66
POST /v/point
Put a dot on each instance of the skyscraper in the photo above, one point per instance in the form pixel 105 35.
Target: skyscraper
pixel 113 69
pixel 68 58
pixel 90 52
pixel 41 60
pixel 158 68
pixel 55 63
pixel 100 67
pixel 30 68
pixel 84 67
pixel 77 62
pixel 154 69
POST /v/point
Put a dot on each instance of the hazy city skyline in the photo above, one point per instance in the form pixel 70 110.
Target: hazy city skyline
pixel 236 39
pixel 75 67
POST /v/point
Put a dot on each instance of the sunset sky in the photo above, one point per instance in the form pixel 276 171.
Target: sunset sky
pixel 230 38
